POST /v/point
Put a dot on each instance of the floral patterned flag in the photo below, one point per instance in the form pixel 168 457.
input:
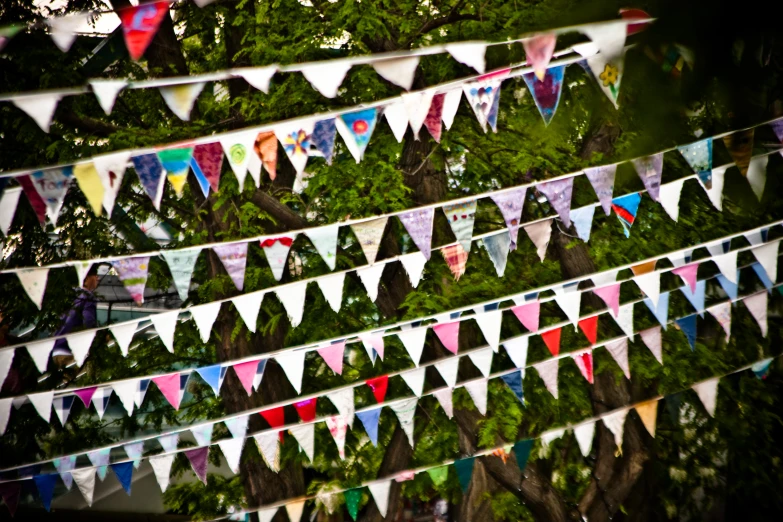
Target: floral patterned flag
pixel 356 129
pixel 295 140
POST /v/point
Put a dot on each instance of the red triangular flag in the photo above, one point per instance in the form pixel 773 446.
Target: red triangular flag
pixel 590 328
pixel 378 386
pixel 275 417
pixel 585 363
pixel 448 333
pixel 306 409
pixel 433 119
pixel 169 387
pixel 38 204
pixel 140 24
pixel 552 340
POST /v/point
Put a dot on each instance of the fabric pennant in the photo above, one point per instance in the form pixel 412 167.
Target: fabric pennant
pixel 356 129
pixel 688 326
pixel 470 54
pixel 111 169
pixel 624 319
pixel 619 352
pixel 333 356
pixel 660 309
pixel 42 402
pixel 126 392
pixel 52 186
pixel 90 184
pixel 528 315
pixel 648 412
pixel 150 173
pixel 45 485
pixel 432 121
pixel 85 481
pixel 62 408
pixel 380 494
pixel 305 436
pixel 106 92
pixel 514 381
pixel 294 510
pixel 761 368
pixel 569 302
pixel 343 401
pixel 650 169
pixel 397 117
pixel 699 156
pixel 161 467
pixel 180 98
pixel 379 385
pixel 406 412
pixel 86 395
pixel 626 208
pixel 478 392
pixel 176 163
pixel 457 258
pixel 169 386
pixel 296 139
pixel 322 138
pixel 490 323
pixel 203 434
pixel 552 340
pixel 293 298
pixel 583 221
pixel 611 296
pixel 124 473
pixel 464 468
pixel 413 341
pixel 269 447
pixel 712 182
pixel 165 324
pixel 332 288
pixel 538 52
pixel 213 375
pixel 584 434
pixel 615 422
pixel 39 353
pixel 276 251
pixel 708 393
pixel 727 264
pixel 439 475
pixel 181 264
pixel 722 314
pixel 371 277
pixel 510 205
pixel 757 306
pixel 64 466
pixel 669 197
pixel 548 437
pixel 730 288
pixel 689 274
pixel 198 461
pixel 207 161
pixel 415 380
pixel 204 316
pixel 34 283
pixel 6 359
pixel 258 77
pixel 602 180
pixel 540 233
pixel 338 427
pixel 650 284
pixel 522 451
pixel 448 369
pixel 584 361
pixel 292 364
pixel 9 199
pixel 444 397
pixel 589 327
pixel 517 351
pixel 461 217
pixel 414 266
pixel 234 258
pixel 497 247
pixel 740 147
pixel 369 234
pixel 100 400
pixel 232 451
pixel 417 105
pixel 123 334
pixel 558 193
pixel 36 202
pixel 481 97
pixel 369 420
pixel 767 256
pixel 325 241
pixel 238 149
pixel 169 442
pixel 546 92
pixel 140 24
pixel 246 373
pixel 696 298
pixel 418 223
pixel 100 459
pixel 40 107
pixel 448 333
pixel 326 78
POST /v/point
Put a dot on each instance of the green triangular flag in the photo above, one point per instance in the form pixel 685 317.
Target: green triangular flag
pixel 352 499
pixel 464 469
pixel 439 475
pixel 522 450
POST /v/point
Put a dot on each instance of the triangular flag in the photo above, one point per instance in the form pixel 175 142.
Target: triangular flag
pixel 481 96
pixel 696 298
pixel 90 184
pixel 161 466
pixel 269 446
pixel 584 434
pixel 417 105
pixel 294 510
pixel 42 402
pixel 611 296
pixel 648 412
pixel 546 92
pixel 670 198
pixel 5 413
pixel 448 369
pixel 688 273
pixel 625 319
pixel 64 465
pixel 293 298
pixel 433 119
pixel 538 52
pixel 100 400
pixel 451 101
pixel 356 128
pixel 106 92
pixel 761 368
pixel 482 359
pixel 343 401
pixel 464 468
pixel 418 223
pixel 607 64
pixel 380 493
pixel 528 315
pixel 373 344
pixel 522 450
pixel 52 186
pixel 9 199
pixel 132 272
pixel 371 277
pixel 169 442
pixel 514 381
pixel 293 366
pixel 448 333
pixel 688 326
pixel 457 258
pixel 333 356
pixel 45 485
pixel 369 420
pixel 198 461
pixel 619 351
pixel 305 436
pixel 62 408
pixel 517 351
pixel 708 393
pixel 86 394
pixel 325 241
pixel 212 375
pixel 36 202
pixel 169 386
pixel 661 309
pixel 652 339
pixel 111 169
pixel 406 412
pixel 727 263
pixel 650 169
pixel 767 256
pixel 276 250
pixel 584 361
pixel 80 343
pixel 471 54
pixel 238 149
pixel 444 397
pixel 369 234
pixel 397 117
pixel 208 160
pixel 415 380
pixel 461 217
pixel 6 359
pixel 204 316
pixel 326 78
pixel 712 182
pixel 548 437
pixel 379 385
pixel 246 373
pixel 139 25
pixel 615 422
pixel 264 144
pixel 569 302
pixel 740 147
pixel 548 372
pixel 165 324
pixel 100 459
pixel 176 163
pixel 39 107
pixel 498 246
pixel 478 392
pixel 39 352
pixel 510 205
pixel 126 392
pixel 85 480
pixel 338 427
pixel 730 288
pixel 583 221
pixel 258 77
pixel 180 98
pixel 602 180
pixel 413 341
pixel 650 284
pixel 490 322
pixel 552 340
pixel 626 208
pixel 124 473
pixel 414 266
pixel 540 233
pixel 399 71
pixel 698 155
pixel 590 328
pixel 295 139
pixel 322 138
pixel 232 450
pixel 757 306
pixel 248 306
pixel 558 193
pixel 722 314
pixel 150 173
pixel 123 333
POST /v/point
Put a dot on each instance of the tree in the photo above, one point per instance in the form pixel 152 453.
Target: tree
pixel 734 82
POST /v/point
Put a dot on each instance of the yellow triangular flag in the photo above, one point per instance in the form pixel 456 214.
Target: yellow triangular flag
pixel 90 184
pixel 648 411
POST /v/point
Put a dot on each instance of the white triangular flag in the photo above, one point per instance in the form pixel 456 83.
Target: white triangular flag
pixel 248 306
pixel 332 288
pixel 490 323
pixel 63 30
pixel 180 98
pixel 415 380
pixel 293 366
pixel 8 201
pixel 258 77
pixel 767 255
pixel 305 436
pixel 448 369
pixel 757 174
pixel 608 37
pixel 232 450
pixel 111 169
pixel 34 283
pixel 615 422
pixel 294 510
pixel 380 493
pixel 471 54
pixel 406 412
pixel 757 306
pixel 413 340
pixel 5 412
pixel 417 105
pixel 39 107
pixel 267 514
pixel 325 241
pixel 478 392
pixel 549 437
pixel 450 106
pixel 539 234
pixel 293 297
pixel 85 481
pixel 669 198
pixel 569 302
pixel 517 351
pixel 727 264
pixel 708 393
pixel 715 193
pixel 371 276
pixel 82 269
pixel 397 117
pixel 165 324
pixel 237 426
pixel 445 400
pixel 650 284
pixel 722 313
pixel 268 445
pixel 548 370
pixel 584 434
pixel 126 392
pixel 619 351
pixel 414 266
pixel 161 466
pixel 482 359
pixel 106 92
pixel 123 333
pixel 42 403
pixel 604 278
pixel 204 316
pixel 624 319
pixel 80 343
pixel 327 78
pixel 6 359
pixel 343 401
pixel 100 400
pixel 238 149
pixel 399 71
pixel 40 352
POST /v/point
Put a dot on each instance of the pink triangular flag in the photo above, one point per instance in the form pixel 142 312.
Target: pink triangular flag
pixel 333 355
pixel 169 386
pixel 538 52
pixel 611 296
pixel 528 315
pixel 246 372
pixel 688 273
pixel 448 333
pixel 548 372
pixel 584 361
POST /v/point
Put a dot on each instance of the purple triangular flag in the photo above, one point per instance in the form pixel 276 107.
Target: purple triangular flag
pixel 510 205
pixel 650 170
pixel 198 461
pixel 558 193
pixel 418 223
pixel 602 180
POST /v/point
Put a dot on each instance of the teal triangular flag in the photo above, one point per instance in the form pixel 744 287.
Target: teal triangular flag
pixel 522 450
pixel 464 469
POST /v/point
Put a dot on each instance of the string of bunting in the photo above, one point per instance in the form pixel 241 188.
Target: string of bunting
pixel 488 315
pixel 516 347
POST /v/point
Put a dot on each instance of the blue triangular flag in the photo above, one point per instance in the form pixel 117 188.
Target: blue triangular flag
pixel 698 155
pixel 728 287
pixel 522 451
pixel 761 368
pixel 124 473
pixel 661 312
pixel 464 469
pixel 582 218
pixel 626 208
pixel 514 381
pixel 762 276
pixel 45 485
pixel 696 298
pixel 546 93
pixel 370 422
pixel 213 375
pixel 322 138
pixel 203 182
pixel 150 172
pixel 688 327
